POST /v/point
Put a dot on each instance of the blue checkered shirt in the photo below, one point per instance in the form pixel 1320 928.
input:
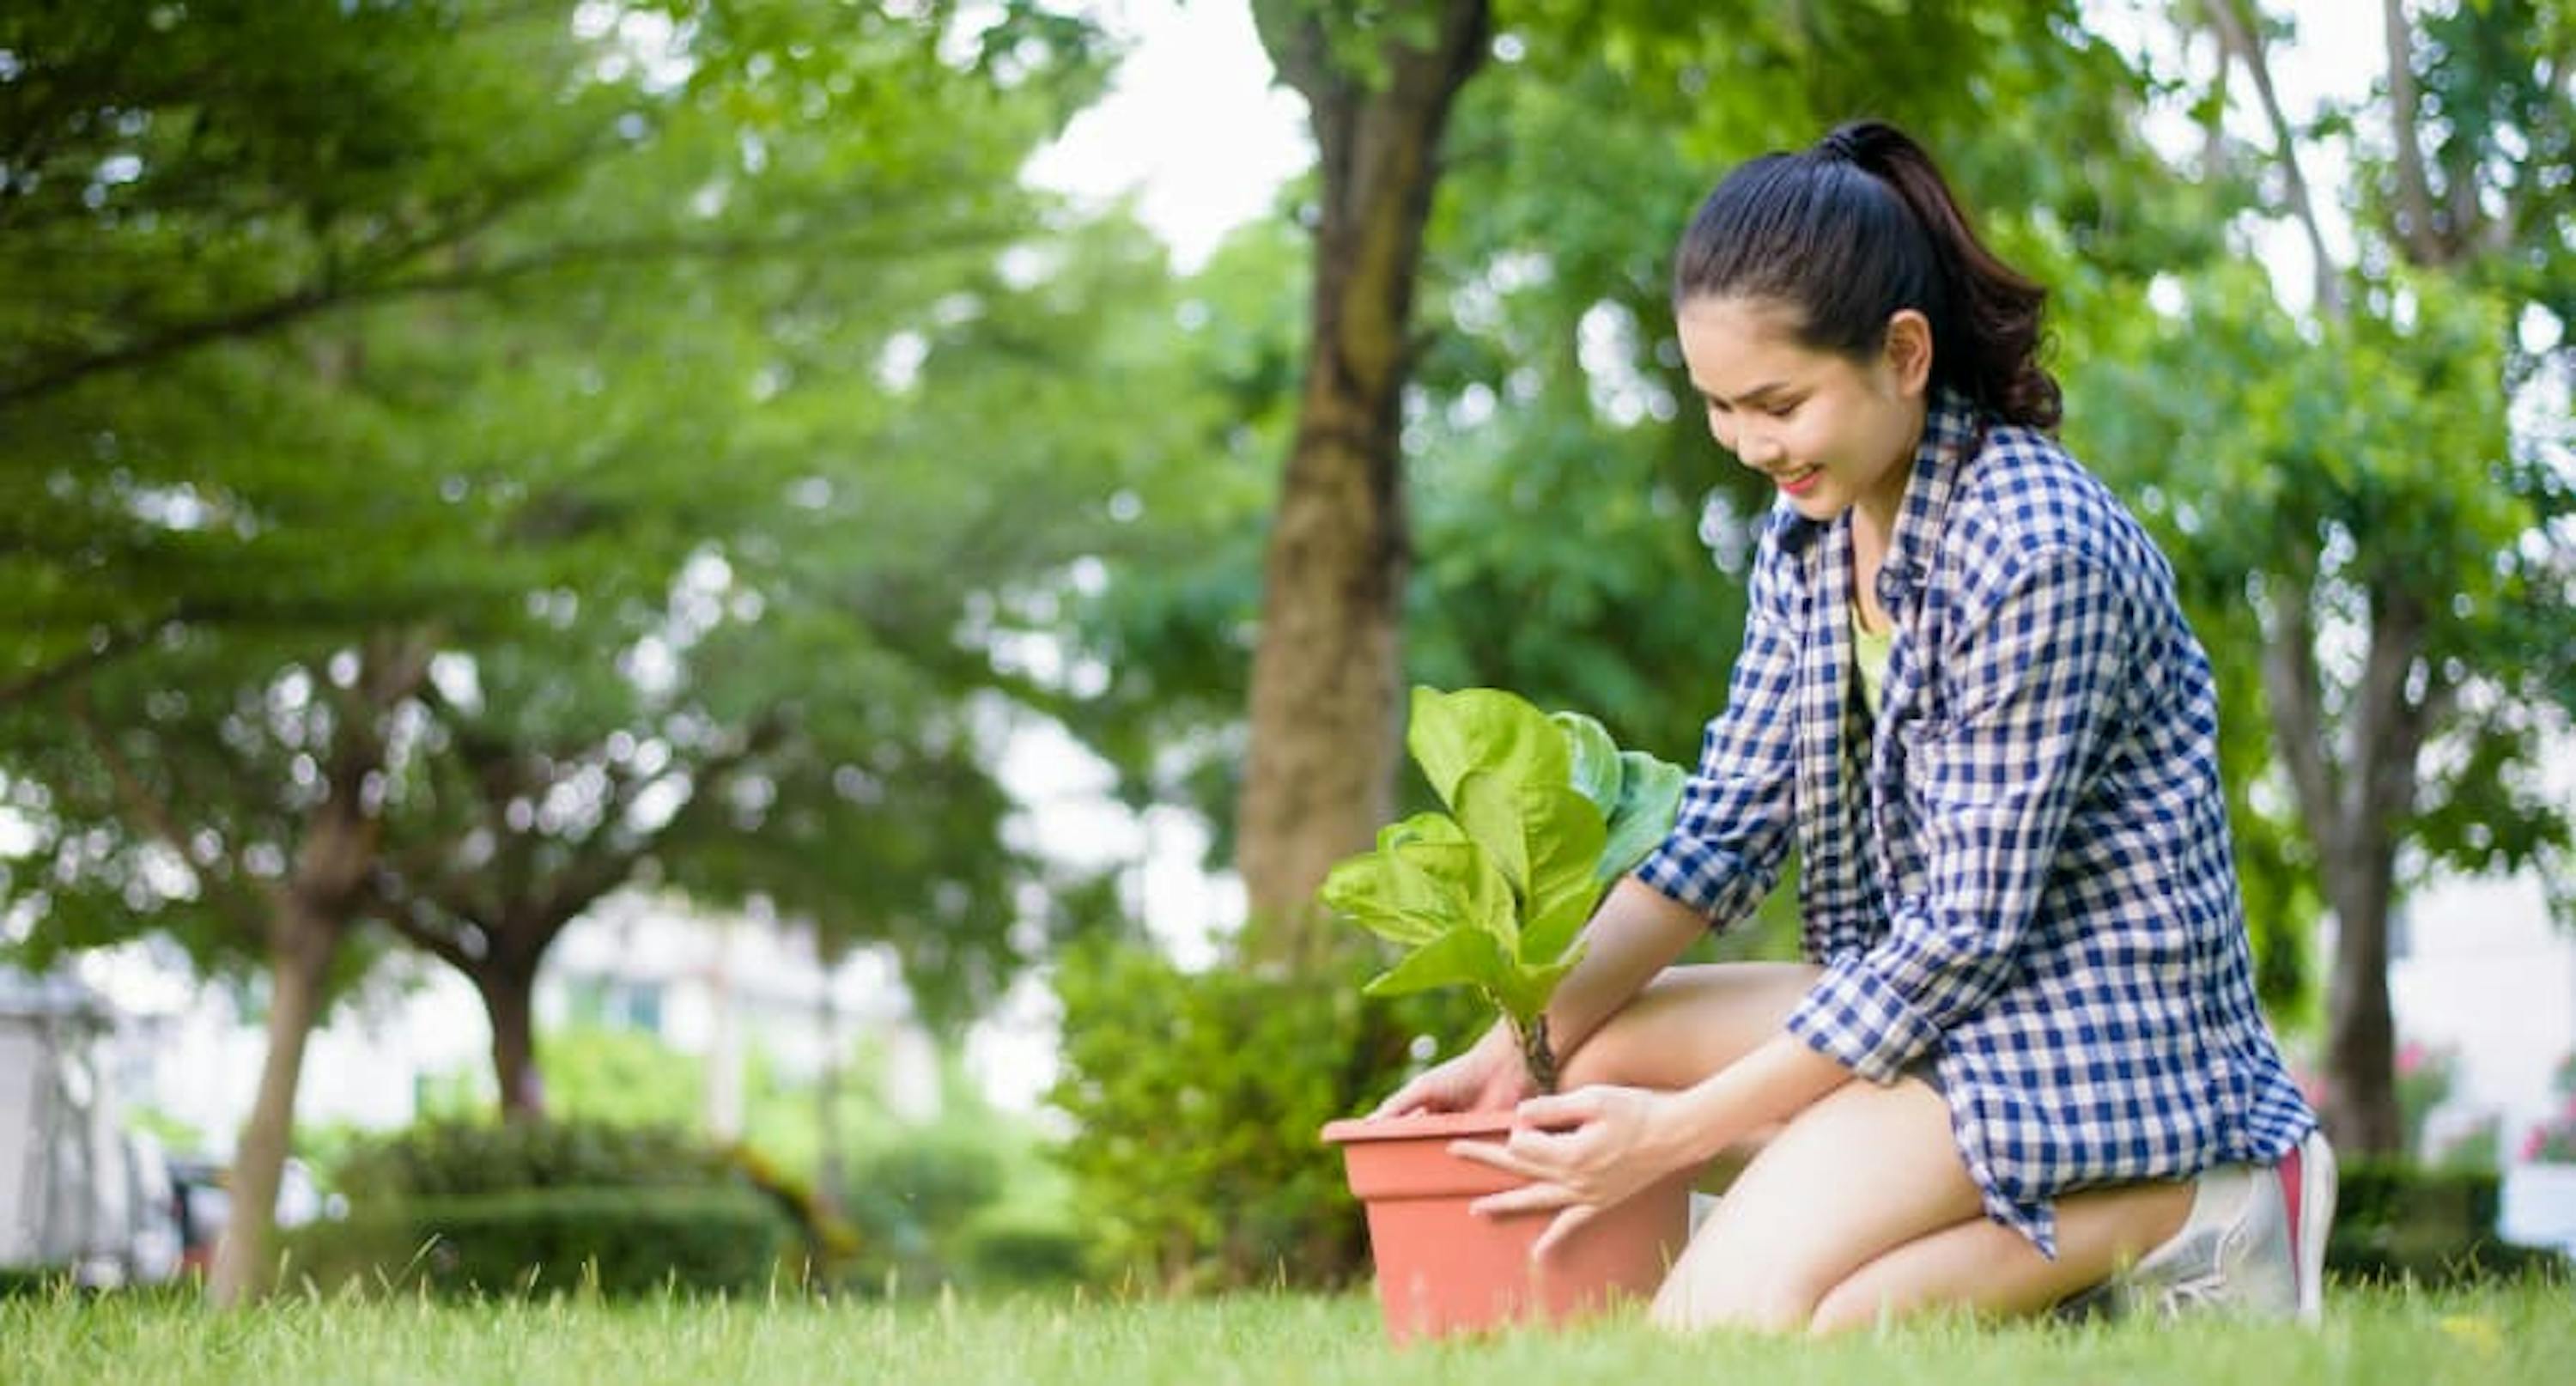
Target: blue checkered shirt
pixel 2021 872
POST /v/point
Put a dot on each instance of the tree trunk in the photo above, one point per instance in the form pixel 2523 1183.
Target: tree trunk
pixel 2360 1106
pixel 310 912
pixel 302 942
pixel 2356 808
pixel 509 990
pixel 831 1167
pixel 1327 672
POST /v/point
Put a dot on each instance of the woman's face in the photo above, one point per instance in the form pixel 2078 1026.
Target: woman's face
pixel 1831 433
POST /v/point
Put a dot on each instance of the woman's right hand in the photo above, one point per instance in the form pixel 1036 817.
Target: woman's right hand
pixel 1489 1077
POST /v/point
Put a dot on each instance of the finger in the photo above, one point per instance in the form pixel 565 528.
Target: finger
pixel 1551 1150
pixel 1528 1198
pixel 1564 1226
pixel 1561 1109
pixel 1416 1096
pixel 1498 1156
pixel 1399 1102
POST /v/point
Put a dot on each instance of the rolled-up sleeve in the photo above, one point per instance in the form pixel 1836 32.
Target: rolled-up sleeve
pixel 2034 688
pixel 1731 830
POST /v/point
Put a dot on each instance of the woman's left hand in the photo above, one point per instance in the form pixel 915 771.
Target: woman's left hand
pixel 1582 1152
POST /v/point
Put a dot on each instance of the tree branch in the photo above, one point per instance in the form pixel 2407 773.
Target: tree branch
pixel 1293 34
pixel 2298 711
pixel 2236 33
pixel 115 646
pixel 403 908
pixel 313 299
pixel 2386 729
pixel 2422 240
pixel 151 813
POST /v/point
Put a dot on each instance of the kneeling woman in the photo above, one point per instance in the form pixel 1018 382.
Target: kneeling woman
pixel 2024 1060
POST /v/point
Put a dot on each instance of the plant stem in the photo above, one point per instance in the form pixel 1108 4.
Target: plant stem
pixel 1538 1054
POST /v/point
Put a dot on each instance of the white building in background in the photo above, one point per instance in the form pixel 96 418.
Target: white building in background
pixel 2478 968
pixel 721 987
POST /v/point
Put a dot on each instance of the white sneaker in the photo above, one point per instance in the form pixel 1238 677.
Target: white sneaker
pixel 2254 1243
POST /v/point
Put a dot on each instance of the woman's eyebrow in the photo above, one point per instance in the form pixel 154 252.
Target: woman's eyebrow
pixel 1758 392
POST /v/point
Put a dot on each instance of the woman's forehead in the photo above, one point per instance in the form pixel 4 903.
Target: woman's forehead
pixel 1738 344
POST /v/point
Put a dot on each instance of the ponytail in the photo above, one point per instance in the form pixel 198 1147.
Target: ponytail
pixel 1854 230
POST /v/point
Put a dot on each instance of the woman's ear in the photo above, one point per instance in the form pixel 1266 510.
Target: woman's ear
pixel 1908 352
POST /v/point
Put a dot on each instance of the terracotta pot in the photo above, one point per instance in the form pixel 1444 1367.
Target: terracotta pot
pixel 1443 1270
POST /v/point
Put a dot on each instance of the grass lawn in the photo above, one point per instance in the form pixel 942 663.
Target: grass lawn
pixel 2521 1333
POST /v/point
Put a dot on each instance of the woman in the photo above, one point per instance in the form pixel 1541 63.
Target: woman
pixel 2025 1053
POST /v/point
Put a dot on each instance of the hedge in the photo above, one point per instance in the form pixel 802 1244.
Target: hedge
pixel 622 1241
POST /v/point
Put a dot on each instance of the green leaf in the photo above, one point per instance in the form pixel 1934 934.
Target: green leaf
pixel 1641 814
pixel 1595 758
pixel 1465 956
pixel 1566 839
pixel 1523 991
pixel 1489 808
pixel 1373 890
pixel 1451 734
pixel 1470 888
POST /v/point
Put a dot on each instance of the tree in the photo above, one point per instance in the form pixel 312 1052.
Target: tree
pixel 1327 672
pixel 796 719
pixel 256 490
pixel 2365 500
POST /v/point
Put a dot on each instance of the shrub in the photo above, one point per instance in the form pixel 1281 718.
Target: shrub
pixel 448 1158
pixel 483 1205
pixel 624 1241
pixel 1017 1256
pixel 2395 1220
pixel 2553 1141
pixel 1198 1099
pixel 911 1203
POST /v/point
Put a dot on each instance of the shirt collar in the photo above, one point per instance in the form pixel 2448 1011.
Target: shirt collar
pixel 1951 425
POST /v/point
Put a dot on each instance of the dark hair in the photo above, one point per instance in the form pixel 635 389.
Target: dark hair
pixel 1855 229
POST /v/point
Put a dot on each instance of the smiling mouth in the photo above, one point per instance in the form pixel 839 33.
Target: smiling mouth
pixel 1799 481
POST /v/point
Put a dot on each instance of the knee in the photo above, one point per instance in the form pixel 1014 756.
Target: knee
pixel 1598 1061
pixel 1616 1052
pixel 1845 1307
pixel 1773 1304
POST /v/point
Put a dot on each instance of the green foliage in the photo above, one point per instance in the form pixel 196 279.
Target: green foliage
pixel 1197 1101
pixel 1548 812
pixel 625 1241
pixel 464 1205
pixel 914 1203
pixel 618 1076
pixel 2397 1220
pixel 457 1158
pixel 2554 1138
pixel 2425 1078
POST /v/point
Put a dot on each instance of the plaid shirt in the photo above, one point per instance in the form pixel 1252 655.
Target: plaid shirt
pixel 2023 873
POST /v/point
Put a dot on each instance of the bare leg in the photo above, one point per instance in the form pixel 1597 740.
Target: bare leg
pixel 1989 1268
pixel 1859 1208
pixel 1865 1170
pixel 1688 1023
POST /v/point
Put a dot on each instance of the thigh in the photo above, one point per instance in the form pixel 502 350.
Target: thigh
pixel 1865 1170
pixel 1988 1268
pixel 1688 1023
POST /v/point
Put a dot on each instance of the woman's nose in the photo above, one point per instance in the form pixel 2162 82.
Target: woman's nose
pixel 1755 447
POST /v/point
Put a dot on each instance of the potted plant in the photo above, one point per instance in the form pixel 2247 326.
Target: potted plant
pixel 1544 812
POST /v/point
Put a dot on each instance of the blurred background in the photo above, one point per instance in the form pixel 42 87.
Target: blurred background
pixel 719 634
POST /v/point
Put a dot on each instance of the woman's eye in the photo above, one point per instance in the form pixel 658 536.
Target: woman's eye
pixel 1782 411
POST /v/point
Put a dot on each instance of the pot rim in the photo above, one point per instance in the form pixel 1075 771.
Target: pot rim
pixel 1419 1126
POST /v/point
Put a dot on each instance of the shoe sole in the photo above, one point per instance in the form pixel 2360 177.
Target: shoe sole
pixel 2316 1195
